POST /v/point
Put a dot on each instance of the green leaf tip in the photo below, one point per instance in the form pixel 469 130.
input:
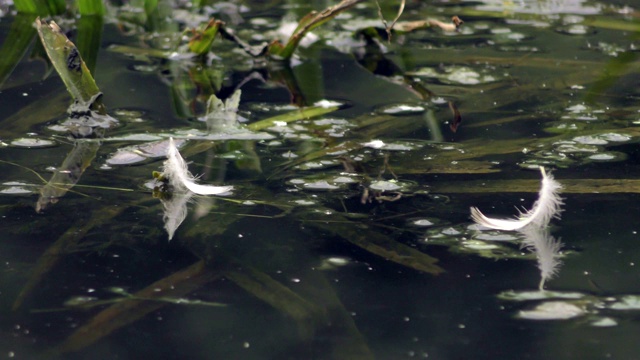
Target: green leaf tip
pixel 67 61
pixel 202 39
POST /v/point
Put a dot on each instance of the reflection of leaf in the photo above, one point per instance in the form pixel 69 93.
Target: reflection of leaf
pixel 347 341
pixel 547 251
pixel 377 243
pixel 306 314
pixel 68 174
pixel 303 82
pixel 45 109
pixel 65 244
pixel 245 155
pixel 124 313
pixel 612 73
pixel 457 118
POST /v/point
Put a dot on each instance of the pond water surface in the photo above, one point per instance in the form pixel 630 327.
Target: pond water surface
pixel 347 234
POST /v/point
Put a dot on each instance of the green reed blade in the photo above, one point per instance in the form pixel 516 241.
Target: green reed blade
pixel 16 44
pixel 90 7
pixel 67 61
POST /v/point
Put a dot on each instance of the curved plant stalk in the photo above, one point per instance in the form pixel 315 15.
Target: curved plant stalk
pixel 544 209
pixel 311 21
pixel 388 27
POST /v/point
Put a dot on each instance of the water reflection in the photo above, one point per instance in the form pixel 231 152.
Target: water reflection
pixel 265 251
pixel 547 250
pixel 175 210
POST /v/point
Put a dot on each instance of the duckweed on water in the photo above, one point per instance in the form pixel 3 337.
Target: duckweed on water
pixel 460 75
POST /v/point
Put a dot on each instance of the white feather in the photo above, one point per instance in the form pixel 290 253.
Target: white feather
pixel 544 209
pixel 175 169
pixel 547 251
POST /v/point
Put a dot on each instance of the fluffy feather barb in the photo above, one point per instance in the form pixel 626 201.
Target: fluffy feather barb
pixel 175 169
pixel 544 209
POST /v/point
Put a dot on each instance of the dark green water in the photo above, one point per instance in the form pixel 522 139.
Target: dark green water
pixel 307 263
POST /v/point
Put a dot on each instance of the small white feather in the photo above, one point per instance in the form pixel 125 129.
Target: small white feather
pixel 544 209
pixel 175 169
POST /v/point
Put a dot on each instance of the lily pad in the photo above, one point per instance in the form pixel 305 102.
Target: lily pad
pixel 513 295
pixel 628 302
pixel 32 143
pixel 552 310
